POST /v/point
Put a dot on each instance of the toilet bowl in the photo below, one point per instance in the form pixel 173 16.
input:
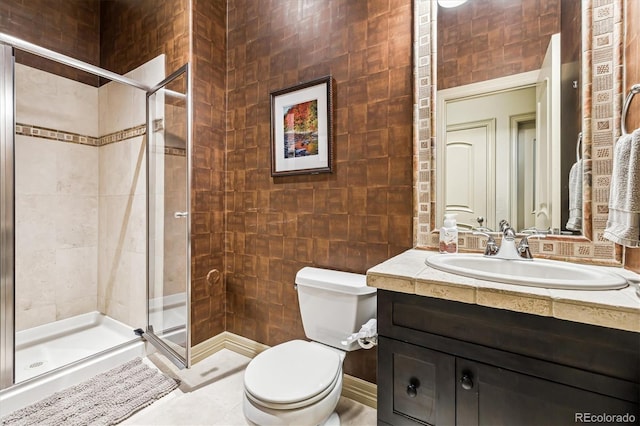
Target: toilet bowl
pixel 300 382
pixel 296 382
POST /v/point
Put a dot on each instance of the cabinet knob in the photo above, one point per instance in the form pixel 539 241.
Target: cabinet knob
pixel 466 381
pixel 412 388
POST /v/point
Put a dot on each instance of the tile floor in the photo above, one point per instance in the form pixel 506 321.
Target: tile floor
pixel 210 393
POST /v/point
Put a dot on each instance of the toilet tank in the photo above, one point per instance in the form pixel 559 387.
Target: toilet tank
pixel 334 304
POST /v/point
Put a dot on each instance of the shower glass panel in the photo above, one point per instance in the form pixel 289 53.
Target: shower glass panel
pixel 168 151
pixel 74 205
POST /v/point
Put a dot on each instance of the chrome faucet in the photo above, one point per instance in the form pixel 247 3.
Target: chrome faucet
pixel 523 247
pixel 508 249
pixel 492 248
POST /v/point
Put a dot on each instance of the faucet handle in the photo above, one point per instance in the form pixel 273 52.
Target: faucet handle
pixel 523 247
pixel 492 247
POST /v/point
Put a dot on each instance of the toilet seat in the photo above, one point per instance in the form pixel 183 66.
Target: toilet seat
pixel 311 415
pixel 273 378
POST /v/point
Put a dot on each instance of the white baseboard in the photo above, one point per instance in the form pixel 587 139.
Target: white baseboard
pixel 352 387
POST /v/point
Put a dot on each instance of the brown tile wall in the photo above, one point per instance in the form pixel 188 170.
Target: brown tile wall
pixel 70 27
pixel 631 77
pixel 474 44
pixel 207 204
pixel 134 32
pixel 349 220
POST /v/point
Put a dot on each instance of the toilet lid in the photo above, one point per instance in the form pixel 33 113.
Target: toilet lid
pixel 291 372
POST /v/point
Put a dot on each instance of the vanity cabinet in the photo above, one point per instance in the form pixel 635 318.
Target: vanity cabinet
pixel 446 363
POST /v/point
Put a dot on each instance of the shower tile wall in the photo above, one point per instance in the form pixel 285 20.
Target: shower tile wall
pixel 56 200
pixel 80 207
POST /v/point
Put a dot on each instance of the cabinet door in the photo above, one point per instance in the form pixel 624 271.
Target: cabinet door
pixel 415 384
pixel 488 395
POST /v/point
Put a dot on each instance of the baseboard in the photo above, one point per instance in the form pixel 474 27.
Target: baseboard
pixel 360 390
pixel 352 387
pixel 207 348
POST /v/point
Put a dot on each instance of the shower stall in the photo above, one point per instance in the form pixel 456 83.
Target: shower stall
pixel 94 215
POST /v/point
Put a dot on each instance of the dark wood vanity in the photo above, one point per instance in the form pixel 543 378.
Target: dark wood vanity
pixel 442 362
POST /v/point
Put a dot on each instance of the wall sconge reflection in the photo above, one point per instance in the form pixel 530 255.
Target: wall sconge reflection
pixel 451 3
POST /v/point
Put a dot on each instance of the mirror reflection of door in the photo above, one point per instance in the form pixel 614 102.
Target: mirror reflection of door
pixel 525 128
pixel 548 204
pixel 498 187
pixel 470 189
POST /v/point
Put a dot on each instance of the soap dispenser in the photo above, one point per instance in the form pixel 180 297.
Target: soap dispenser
pixel 449 234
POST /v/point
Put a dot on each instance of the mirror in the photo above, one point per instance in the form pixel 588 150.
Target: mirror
pixel 508 114
pixel 601 94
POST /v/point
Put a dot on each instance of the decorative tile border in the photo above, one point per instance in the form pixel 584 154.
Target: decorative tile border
pixel 177 152
pixel 119 136
pixel 602 96
pixel 123 135
pixel 424 171
pixel 56 135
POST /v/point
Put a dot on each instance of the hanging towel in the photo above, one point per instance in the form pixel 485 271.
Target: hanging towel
pixel 623 225
pixel 575 197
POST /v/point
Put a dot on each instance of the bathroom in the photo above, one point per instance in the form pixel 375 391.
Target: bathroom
pixel 258 231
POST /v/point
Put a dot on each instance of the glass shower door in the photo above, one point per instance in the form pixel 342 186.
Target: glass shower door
pixel 168 154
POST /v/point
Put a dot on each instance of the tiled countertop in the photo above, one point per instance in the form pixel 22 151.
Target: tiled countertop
pixel 408 273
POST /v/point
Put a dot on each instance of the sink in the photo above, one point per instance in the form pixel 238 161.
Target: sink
pixel 533 273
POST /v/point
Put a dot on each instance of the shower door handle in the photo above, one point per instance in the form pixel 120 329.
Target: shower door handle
pixel 179 215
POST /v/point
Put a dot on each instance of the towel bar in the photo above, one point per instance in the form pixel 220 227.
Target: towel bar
pixel 579 146
pixel 625 108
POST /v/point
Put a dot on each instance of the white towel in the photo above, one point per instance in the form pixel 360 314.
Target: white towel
pixel 575 197
pixel 623 225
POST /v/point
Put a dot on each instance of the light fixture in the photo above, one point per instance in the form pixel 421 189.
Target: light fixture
pixel 451 3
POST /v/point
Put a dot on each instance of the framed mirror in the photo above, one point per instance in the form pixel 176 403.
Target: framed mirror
pixel 599 92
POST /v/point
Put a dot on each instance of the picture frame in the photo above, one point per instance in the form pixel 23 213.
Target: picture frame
pixel 301 128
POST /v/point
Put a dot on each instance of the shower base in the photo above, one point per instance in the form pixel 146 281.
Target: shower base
pixel 87 345
pixel 50 346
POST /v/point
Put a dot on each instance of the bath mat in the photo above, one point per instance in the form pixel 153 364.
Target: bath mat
pixel 105 399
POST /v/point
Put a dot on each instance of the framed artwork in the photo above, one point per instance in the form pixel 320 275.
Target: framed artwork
pixel 301 123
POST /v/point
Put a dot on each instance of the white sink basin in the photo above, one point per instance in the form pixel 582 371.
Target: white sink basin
pixel 533 273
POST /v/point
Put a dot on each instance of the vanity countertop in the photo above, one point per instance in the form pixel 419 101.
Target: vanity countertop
pixel 408 273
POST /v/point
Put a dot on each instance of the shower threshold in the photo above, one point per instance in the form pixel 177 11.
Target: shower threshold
pixel 50 346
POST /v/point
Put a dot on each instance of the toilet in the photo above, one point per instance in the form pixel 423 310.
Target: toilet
pixel 299 382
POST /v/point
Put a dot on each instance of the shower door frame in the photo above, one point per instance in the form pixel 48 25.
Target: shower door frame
pixel 157 341
pixel 7 223
pixel 8 44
